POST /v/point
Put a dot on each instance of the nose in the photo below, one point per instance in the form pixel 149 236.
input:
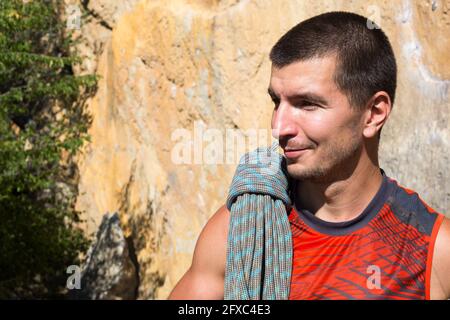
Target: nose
pixel 283 125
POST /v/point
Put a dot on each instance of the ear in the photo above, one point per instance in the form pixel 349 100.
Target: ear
pixel 377 112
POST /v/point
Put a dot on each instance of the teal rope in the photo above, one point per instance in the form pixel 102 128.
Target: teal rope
pixel 259 245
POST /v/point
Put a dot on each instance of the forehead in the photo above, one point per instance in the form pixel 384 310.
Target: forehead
pixel 312 75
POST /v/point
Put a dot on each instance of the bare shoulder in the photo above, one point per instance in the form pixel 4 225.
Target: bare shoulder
pixel 210 250
pixel 440 277
pixel 205 277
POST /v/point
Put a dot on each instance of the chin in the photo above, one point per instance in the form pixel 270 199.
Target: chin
pixel 300 172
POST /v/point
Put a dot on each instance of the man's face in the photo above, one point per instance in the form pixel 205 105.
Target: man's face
pixel 312 114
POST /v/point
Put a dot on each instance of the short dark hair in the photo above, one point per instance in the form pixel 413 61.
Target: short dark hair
pixel 365 59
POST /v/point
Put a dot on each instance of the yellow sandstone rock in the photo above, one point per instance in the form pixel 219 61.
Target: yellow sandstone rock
pixel 169 68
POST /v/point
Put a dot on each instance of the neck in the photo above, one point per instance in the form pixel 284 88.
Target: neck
pixel 343 199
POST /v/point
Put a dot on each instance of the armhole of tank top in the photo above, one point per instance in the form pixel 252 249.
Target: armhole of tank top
pixel 434 233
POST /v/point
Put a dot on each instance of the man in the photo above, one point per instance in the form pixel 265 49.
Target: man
pixel 356 233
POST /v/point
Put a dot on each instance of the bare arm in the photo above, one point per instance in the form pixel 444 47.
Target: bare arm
pixel 205 277
pixel 440 272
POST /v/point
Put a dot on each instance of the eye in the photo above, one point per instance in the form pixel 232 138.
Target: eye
pixel 306 105
pixel 276 103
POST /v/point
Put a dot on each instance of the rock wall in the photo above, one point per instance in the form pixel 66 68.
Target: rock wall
pixel 110 270
pixel 170 69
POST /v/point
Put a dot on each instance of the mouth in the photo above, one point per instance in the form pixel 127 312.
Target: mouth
pixel 294 153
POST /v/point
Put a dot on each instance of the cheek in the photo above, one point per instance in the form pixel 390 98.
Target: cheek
pixel 319 126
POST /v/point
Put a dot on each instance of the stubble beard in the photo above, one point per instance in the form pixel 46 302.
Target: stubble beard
pixel 334 162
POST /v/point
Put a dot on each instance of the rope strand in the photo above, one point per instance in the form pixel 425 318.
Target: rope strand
pixel 259 229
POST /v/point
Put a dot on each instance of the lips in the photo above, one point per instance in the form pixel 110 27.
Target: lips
pixel 294 153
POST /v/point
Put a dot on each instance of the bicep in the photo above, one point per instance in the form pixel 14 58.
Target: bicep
pixel 441 259
pixel 197 286
pixel 205 277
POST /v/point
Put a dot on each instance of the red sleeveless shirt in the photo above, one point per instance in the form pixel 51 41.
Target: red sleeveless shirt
pixel 384 253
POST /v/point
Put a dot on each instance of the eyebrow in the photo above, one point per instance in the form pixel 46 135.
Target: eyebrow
pixel 308 96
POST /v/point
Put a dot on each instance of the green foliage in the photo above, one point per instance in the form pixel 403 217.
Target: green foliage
pixel 42 118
